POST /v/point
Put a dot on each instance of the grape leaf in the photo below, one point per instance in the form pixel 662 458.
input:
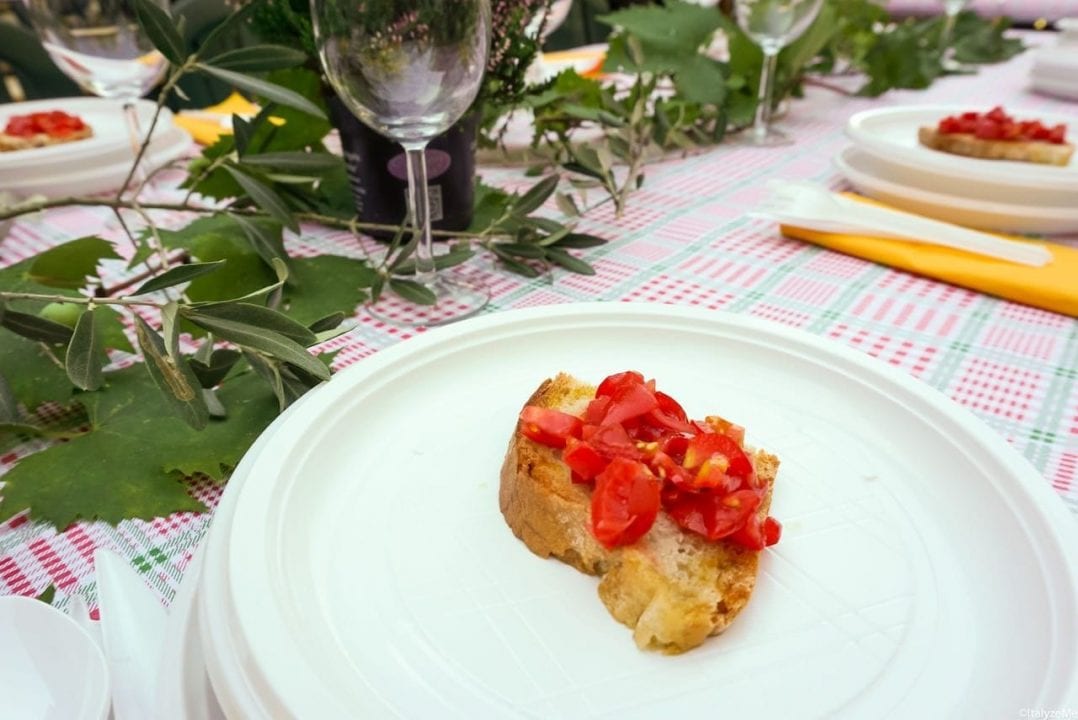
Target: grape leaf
pixel 325 284
pixel 132 462
pixel 34 377
pixel 68 265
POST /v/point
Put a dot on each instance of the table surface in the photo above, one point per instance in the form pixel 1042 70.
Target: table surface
pixel 685 239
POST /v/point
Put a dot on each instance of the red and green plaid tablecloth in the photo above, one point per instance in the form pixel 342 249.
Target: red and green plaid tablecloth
pixel 685 239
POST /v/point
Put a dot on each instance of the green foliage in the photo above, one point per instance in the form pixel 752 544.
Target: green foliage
pixel 134 460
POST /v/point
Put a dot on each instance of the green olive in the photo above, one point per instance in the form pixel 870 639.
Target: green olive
pixel 63 313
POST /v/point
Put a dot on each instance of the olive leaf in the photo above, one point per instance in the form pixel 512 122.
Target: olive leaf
pixel 212 371
pixel 176 382
pixel 265 197
pixel 268 90
pixel 257 338
pixel 85 355
pixel 262 317
pixel 35 328
pixel 161 30
pixel 177 275
pixel 536 195
pixel 258 58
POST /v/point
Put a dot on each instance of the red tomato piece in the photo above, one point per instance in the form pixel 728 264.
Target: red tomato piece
pixel 670 471
pixel 596 411
pixel 549 427
pixel 704 445
pixel 613 382
pixel 630 401
pixel 713 475
pixel 584 460
pixel 613 440
pixel 625 503
pixel 669 415
pixel 713 515
pixel 1058 134
pixel 772 531
pixel 758 534
pixel 724 427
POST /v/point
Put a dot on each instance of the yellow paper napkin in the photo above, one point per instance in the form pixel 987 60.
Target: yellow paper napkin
pixel 205 126
pixel 1051 287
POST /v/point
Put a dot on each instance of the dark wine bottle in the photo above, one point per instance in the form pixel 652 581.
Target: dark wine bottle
pixel 379 176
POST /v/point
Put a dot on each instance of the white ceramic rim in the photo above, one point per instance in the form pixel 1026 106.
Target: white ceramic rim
pixel 278 676
pixel 1002 172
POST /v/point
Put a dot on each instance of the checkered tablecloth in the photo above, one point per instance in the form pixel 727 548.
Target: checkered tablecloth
pixel 685 239
pixel 1025 11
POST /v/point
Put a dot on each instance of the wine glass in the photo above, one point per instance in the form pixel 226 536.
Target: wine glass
pixel 99 45
pixel 951 8
pixel 409 69
pixel 772 24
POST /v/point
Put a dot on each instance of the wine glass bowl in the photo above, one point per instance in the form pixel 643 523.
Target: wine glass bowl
pixel 99 45
pixel 406 81
pixel 772 24
pixel 409 69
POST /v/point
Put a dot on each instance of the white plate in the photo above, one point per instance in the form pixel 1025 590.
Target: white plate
pixel 212 651
pixel 881 180
pixel 1055 87
pixel 105 117
pixel 97 164
pixel 891 133
pixel 926 568
pixel 50 668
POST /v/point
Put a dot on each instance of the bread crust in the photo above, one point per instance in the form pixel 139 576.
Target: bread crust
pixel 969 145
pixel 673 588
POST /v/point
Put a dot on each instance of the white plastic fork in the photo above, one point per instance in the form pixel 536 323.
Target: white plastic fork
pixel 812 206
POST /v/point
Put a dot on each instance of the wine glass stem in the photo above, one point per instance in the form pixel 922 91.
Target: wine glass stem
pixel 134 135
pixel 419 210
pixel 948 27
pixel 763 102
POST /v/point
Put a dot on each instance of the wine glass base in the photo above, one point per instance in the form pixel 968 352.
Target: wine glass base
pixel 457 298
pixel 771 138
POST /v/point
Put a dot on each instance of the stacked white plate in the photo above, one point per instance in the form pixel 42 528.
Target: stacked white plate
pixel 888 163
pixel 358 565
pixel 97 164
pixel 1055 67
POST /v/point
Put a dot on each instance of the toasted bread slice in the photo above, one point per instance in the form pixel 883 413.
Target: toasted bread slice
pixel 971 146
pixel 672 587
pixel 10 143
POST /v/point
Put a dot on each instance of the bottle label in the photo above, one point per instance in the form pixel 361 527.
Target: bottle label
pixel 438 163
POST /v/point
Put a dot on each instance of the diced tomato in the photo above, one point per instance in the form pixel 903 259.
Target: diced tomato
pixel 724 427
pixel 704 445
pixel 549 427
pixel 675 446
pixel 714 515
pixel 611 439
pixel 596 411
pixel 54 123
pixel 713 475
pixel 669 470
pixel 624 503
pixel 772 531
pixel 584 460
pixel 758 534
pixel 996 124
pixel 630 401
pixel 613 382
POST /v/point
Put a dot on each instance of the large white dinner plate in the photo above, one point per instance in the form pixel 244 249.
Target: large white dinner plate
pixel 900 187
pixel 926 569
pixel 891 133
